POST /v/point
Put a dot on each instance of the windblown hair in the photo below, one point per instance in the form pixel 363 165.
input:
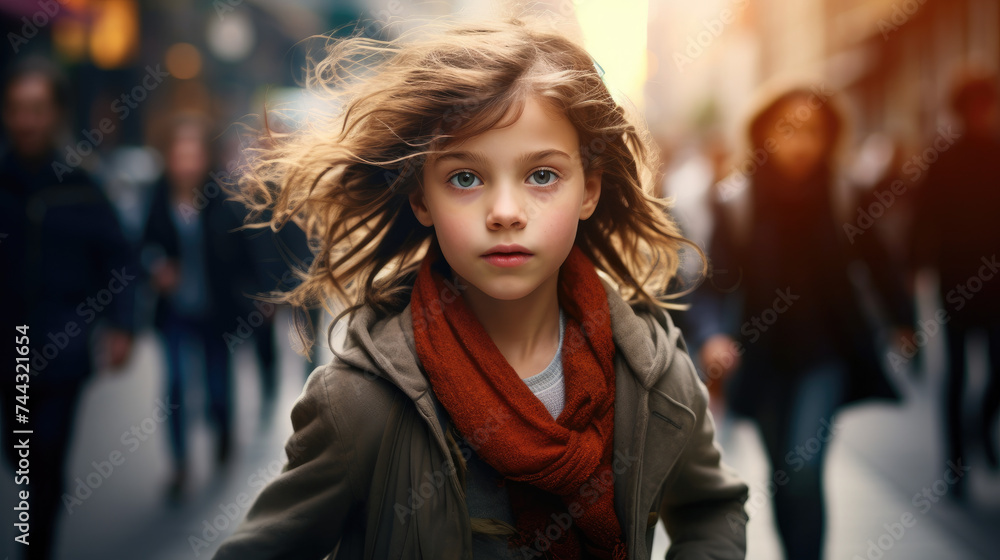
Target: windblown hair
pixel 345 178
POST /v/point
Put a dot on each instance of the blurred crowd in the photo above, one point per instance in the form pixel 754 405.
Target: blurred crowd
pixel 76 277
pixel 815 244
pixel 810 289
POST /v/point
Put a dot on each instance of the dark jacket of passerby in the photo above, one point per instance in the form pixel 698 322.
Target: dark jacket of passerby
pixel 66 265
pixel 226 261
pixel 781 285
pixel 955 229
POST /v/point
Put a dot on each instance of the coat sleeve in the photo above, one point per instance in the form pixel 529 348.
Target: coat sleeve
pixel 302 513
pixel 702 507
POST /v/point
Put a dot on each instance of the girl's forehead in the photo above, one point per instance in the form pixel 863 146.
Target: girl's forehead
pixel 536 126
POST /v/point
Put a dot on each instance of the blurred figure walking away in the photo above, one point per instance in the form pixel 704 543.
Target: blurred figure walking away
pixel 955 233
pixel 277 256
pixel 690 182
pixel 67 269
pixel 778 308
pixel 201 270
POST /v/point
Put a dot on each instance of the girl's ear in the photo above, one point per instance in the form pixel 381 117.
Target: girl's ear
pixel 591 193
pixel 419 206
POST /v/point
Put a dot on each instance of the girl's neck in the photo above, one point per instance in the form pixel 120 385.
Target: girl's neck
pixel 526 331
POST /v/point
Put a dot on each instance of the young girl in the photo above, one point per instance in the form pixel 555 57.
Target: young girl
pixel 495 397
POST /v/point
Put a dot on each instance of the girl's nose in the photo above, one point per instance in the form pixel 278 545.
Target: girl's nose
pixel 507 211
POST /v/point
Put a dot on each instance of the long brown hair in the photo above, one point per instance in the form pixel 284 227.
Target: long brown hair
pixel 345 177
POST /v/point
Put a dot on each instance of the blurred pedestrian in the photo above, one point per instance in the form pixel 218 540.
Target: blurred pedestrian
pixel 202 271
pixel 955 233
pixel 67 269
pixel 778 308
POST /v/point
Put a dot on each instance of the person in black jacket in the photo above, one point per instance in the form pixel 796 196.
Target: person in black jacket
pixel 778 307
pixel 202 271
pixel 955 234
pixel 66 269
pixel 278 256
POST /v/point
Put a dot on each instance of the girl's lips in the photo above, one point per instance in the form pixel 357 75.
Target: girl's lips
pixel 507 259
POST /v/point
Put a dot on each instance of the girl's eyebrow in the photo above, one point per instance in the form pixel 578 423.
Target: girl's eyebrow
pixel 542 154
pixel 481 159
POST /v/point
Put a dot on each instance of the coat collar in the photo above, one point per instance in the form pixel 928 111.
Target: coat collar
pixel 644 338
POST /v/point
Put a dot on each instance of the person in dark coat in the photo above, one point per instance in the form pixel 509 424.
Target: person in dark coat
pixel 278 256
pixel 779 311
pixel 67 268
pixel 202 270
pixel 955 233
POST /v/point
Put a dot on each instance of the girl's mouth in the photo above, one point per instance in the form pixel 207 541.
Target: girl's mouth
pixel 507 255
pixel 507 259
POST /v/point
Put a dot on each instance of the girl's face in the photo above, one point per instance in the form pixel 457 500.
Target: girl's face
pixel 506 204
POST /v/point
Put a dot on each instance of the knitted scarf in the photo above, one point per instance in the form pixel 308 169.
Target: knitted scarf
pixel 557 471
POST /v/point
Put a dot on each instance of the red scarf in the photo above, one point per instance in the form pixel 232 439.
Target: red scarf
pixel 562 484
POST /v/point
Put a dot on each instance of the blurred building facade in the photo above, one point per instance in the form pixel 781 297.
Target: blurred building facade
pixel 894 59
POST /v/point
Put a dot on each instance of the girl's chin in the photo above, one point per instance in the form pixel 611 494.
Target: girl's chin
pixel 506 290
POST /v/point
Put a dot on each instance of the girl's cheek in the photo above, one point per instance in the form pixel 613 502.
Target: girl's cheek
pixel 561 225
pixel 453 228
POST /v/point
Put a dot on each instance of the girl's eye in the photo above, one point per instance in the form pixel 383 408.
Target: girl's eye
pixel 542 177
pixel 465 180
